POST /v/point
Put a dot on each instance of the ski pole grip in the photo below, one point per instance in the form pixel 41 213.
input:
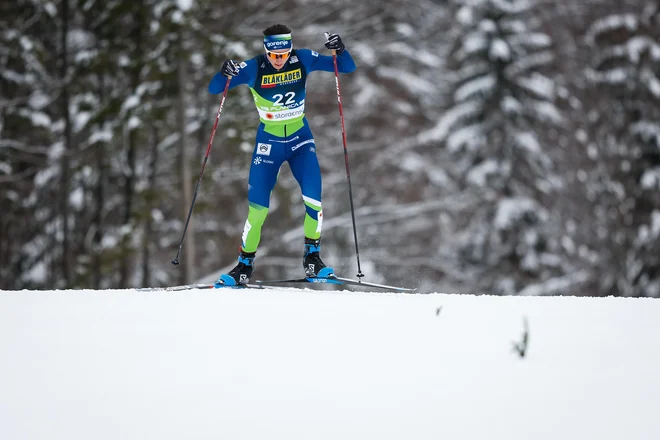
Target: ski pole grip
pixel 327 38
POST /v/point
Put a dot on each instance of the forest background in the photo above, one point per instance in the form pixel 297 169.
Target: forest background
pixel 495 146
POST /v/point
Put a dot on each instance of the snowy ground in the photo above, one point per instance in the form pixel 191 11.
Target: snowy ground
pixel 303 364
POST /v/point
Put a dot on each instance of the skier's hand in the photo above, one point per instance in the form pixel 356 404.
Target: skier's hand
pixel 229 68
pixel 334 43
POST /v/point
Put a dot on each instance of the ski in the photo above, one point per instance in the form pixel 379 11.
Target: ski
pixel 273 284
pixel 174 288
pixel 352 282
pixel 198 286
pixel 337 280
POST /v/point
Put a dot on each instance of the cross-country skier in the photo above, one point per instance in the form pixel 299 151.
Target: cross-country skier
pixel 277 82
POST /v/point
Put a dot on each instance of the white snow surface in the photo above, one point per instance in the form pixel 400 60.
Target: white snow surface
pixel 306 364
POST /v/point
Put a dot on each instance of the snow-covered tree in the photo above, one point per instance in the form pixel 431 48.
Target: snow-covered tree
pixel 29 153
pixel 502 100
pixel 625 148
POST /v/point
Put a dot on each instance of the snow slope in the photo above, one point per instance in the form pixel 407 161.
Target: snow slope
pixel 304 364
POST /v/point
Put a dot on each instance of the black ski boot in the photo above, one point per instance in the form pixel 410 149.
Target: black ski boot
pixel 312 263
pixel 241 273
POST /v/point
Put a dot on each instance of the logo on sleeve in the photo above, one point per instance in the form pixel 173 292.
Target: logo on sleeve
pixel 264 149
pixel 314 53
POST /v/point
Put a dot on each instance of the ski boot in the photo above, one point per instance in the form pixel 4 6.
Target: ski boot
pixel 240 274
pixel 312 263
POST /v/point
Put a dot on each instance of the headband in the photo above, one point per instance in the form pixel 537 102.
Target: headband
pixel 280 41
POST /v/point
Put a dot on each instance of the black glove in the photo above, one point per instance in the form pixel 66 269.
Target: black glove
pixel 334 43
pixel 229 68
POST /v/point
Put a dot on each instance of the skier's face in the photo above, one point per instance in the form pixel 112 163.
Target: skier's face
pixel 278 58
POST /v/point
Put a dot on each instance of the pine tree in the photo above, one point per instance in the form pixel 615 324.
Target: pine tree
pixel 28 148
pixel 625 131
pixel 501 102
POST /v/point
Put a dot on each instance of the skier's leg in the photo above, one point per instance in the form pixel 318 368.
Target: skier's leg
pixel 267 159
pixel 306 170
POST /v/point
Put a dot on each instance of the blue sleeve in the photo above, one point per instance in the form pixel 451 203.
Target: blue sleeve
pixel 247 74
pixel 315 61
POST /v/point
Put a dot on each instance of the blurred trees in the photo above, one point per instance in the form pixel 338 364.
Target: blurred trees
pixel 496 146
pixel 624 140
pixel 502 102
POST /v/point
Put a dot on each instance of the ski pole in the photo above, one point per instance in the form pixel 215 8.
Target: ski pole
pixel 348 172
pixel 201 174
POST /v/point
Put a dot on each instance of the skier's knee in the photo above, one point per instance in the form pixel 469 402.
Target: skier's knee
pixel 257 215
